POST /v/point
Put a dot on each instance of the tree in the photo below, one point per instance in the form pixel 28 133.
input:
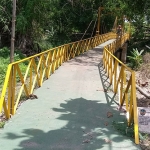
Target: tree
pixel 5 22
pixel 13 31
pixel 60 19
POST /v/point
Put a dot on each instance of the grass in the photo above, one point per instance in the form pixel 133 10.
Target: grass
pixel 123 128
pixel 2 124
pixel 5 60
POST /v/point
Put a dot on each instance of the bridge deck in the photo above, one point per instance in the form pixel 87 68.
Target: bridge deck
pixel 70 112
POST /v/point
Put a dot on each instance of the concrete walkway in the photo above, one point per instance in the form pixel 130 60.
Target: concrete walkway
pixel 70 112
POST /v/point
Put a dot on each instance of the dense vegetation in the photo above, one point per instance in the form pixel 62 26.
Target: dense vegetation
pixel 41 24
pixel 44 23
pixel 54 20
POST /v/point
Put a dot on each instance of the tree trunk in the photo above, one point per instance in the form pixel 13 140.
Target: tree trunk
pixel 13 32
pixel 143 92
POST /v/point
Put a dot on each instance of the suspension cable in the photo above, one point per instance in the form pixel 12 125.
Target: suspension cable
pixel 86 29
pixel 94 27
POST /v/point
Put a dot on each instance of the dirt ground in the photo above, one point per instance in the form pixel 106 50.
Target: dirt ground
pixel 143 81
pixel 143 101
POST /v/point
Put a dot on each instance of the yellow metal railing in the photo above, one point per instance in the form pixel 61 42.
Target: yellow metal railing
pixel 123 83
pixel 39 67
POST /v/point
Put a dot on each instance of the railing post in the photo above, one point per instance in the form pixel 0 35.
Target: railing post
pixel 124 53
pixel 11 93
pixel 13 89
pixel 9 100
pixel 136 128
pixel 30 85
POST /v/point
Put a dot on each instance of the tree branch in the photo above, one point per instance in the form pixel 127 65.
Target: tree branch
pixel 142 91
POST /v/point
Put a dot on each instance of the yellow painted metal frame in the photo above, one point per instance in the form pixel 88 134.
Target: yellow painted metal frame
pixel 122 85
pixel 39 68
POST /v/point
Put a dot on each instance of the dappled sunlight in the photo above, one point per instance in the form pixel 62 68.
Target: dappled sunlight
pixel 86 129
pixel 75 110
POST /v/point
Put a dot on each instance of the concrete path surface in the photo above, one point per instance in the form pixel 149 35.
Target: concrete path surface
pixel 72 112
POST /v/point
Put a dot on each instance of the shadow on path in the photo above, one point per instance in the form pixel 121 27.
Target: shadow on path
pixel 78 123
pixel 88 128
pixel 106 85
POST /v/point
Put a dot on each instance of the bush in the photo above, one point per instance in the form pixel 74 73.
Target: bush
pixel 5 60
pixel 136 58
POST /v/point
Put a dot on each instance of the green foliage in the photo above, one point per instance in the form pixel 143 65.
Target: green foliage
pixel 123 128
pixel 4 52
pixel 4 61
pixel 62 18
pixel 143 136
pixel 2 124
pixel 45 45
pixel 136 58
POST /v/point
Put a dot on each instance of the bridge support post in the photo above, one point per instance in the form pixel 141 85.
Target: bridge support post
pixel 124 52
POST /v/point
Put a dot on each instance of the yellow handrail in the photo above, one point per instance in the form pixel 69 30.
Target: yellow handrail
pixel 40 67
pixel 122 79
